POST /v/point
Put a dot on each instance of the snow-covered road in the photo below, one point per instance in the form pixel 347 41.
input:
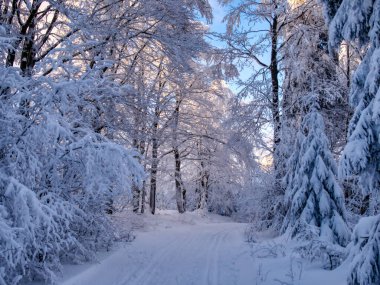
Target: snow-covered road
pixel 197 249
pixel 208 253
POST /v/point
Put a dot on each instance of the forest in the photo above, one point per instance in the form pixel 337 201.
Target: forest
pixel 116 114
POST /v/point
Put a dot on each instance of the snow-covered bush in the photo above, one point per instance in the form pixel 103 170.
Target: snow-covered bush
pixel 270 249
pixel 261 204
pixel 58 179
pixel 329 255
pixel 222 201
pixel 34 232
pixel 250 234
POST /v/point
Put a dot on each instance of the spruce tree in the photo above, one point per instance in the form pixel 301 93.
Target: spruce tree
pixel 315 199
pixel 362 153
pixel 358 21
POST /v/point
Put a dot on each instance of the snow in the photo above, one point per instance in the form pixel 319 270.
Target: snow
pixel 199 248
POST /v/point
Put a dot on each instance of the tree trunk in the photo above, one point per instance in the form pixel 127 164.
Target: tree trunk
pixel 28 52
pixel 153 169
pixel 153 179
pixel 348 67
pixel 136 192
pixel 274 72
pixel 204 186
pixel 180 190
pixel 139 143
pixel 143 194
pixel 27 33
pixel 203 183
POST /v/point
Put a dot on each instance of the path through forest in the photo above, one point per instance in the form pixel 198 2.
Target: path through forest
pixel 176 253
pixel 199 249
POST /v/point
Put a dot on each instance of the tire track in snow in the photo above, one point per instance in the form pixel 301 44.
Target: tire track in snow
pixel 212 267
pixel 138 273
pixel 144 275
pixel 191 255
pixel 207 254
pixel 177 267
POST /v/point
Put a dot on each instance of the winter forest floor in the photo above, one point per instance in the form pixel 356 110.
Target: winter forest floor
pixel 197 248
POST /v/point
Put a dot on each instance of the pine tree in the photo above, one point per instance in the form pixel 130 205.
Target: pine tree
pixel 316 202
pixel 358 21
pixel 361 154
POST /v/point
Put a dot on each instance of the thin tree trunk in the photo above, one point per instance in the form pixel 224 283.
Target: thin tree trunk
pixel 26 34
pixel 139 143
pixel 143 190
pixel 153 169
pixel 348 67
pixel 203 183
pixel 275 98
pixel 138 194
pixel 28 52
pixel 180 190
pixel 153 179
pixel 143 194
pixel 136 198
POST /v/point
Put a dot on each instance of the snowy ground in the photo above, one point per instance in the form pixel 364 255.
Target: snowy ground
pixel 198 249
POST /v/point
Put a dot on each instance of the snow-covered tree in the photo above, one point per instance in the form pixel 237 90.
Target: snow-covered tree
pixel 358 21
pixel 61 158
pixel 306 60
pixel 365 252
pixel 361 154
pixel 58 176
pixel 315 199
pixel 258 50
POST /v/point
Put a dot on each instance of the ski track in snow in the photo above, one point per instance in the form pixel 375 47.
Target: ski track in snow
pixel 180 252
pixel 187 254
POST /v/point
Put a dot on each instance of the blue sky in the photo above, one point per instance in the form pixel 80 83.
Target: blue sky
pixel 217 25
pixel 218 12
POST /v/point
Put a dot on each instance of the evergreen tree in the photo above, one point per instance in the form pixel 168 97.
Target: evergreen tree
pixel 361 155
pixel 306 60
pixel 357 20
pixel 316 202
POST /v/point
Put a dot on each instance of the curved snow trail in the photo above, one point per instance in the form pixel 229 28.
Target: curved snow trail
pixel 202 254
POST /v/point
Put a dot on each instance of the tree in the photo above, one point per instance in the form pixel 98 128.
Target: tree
pixel 361 155
pixel 308 65
pixel 63 90
pixel 248 45
pixel 61 174
pixel 316 201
